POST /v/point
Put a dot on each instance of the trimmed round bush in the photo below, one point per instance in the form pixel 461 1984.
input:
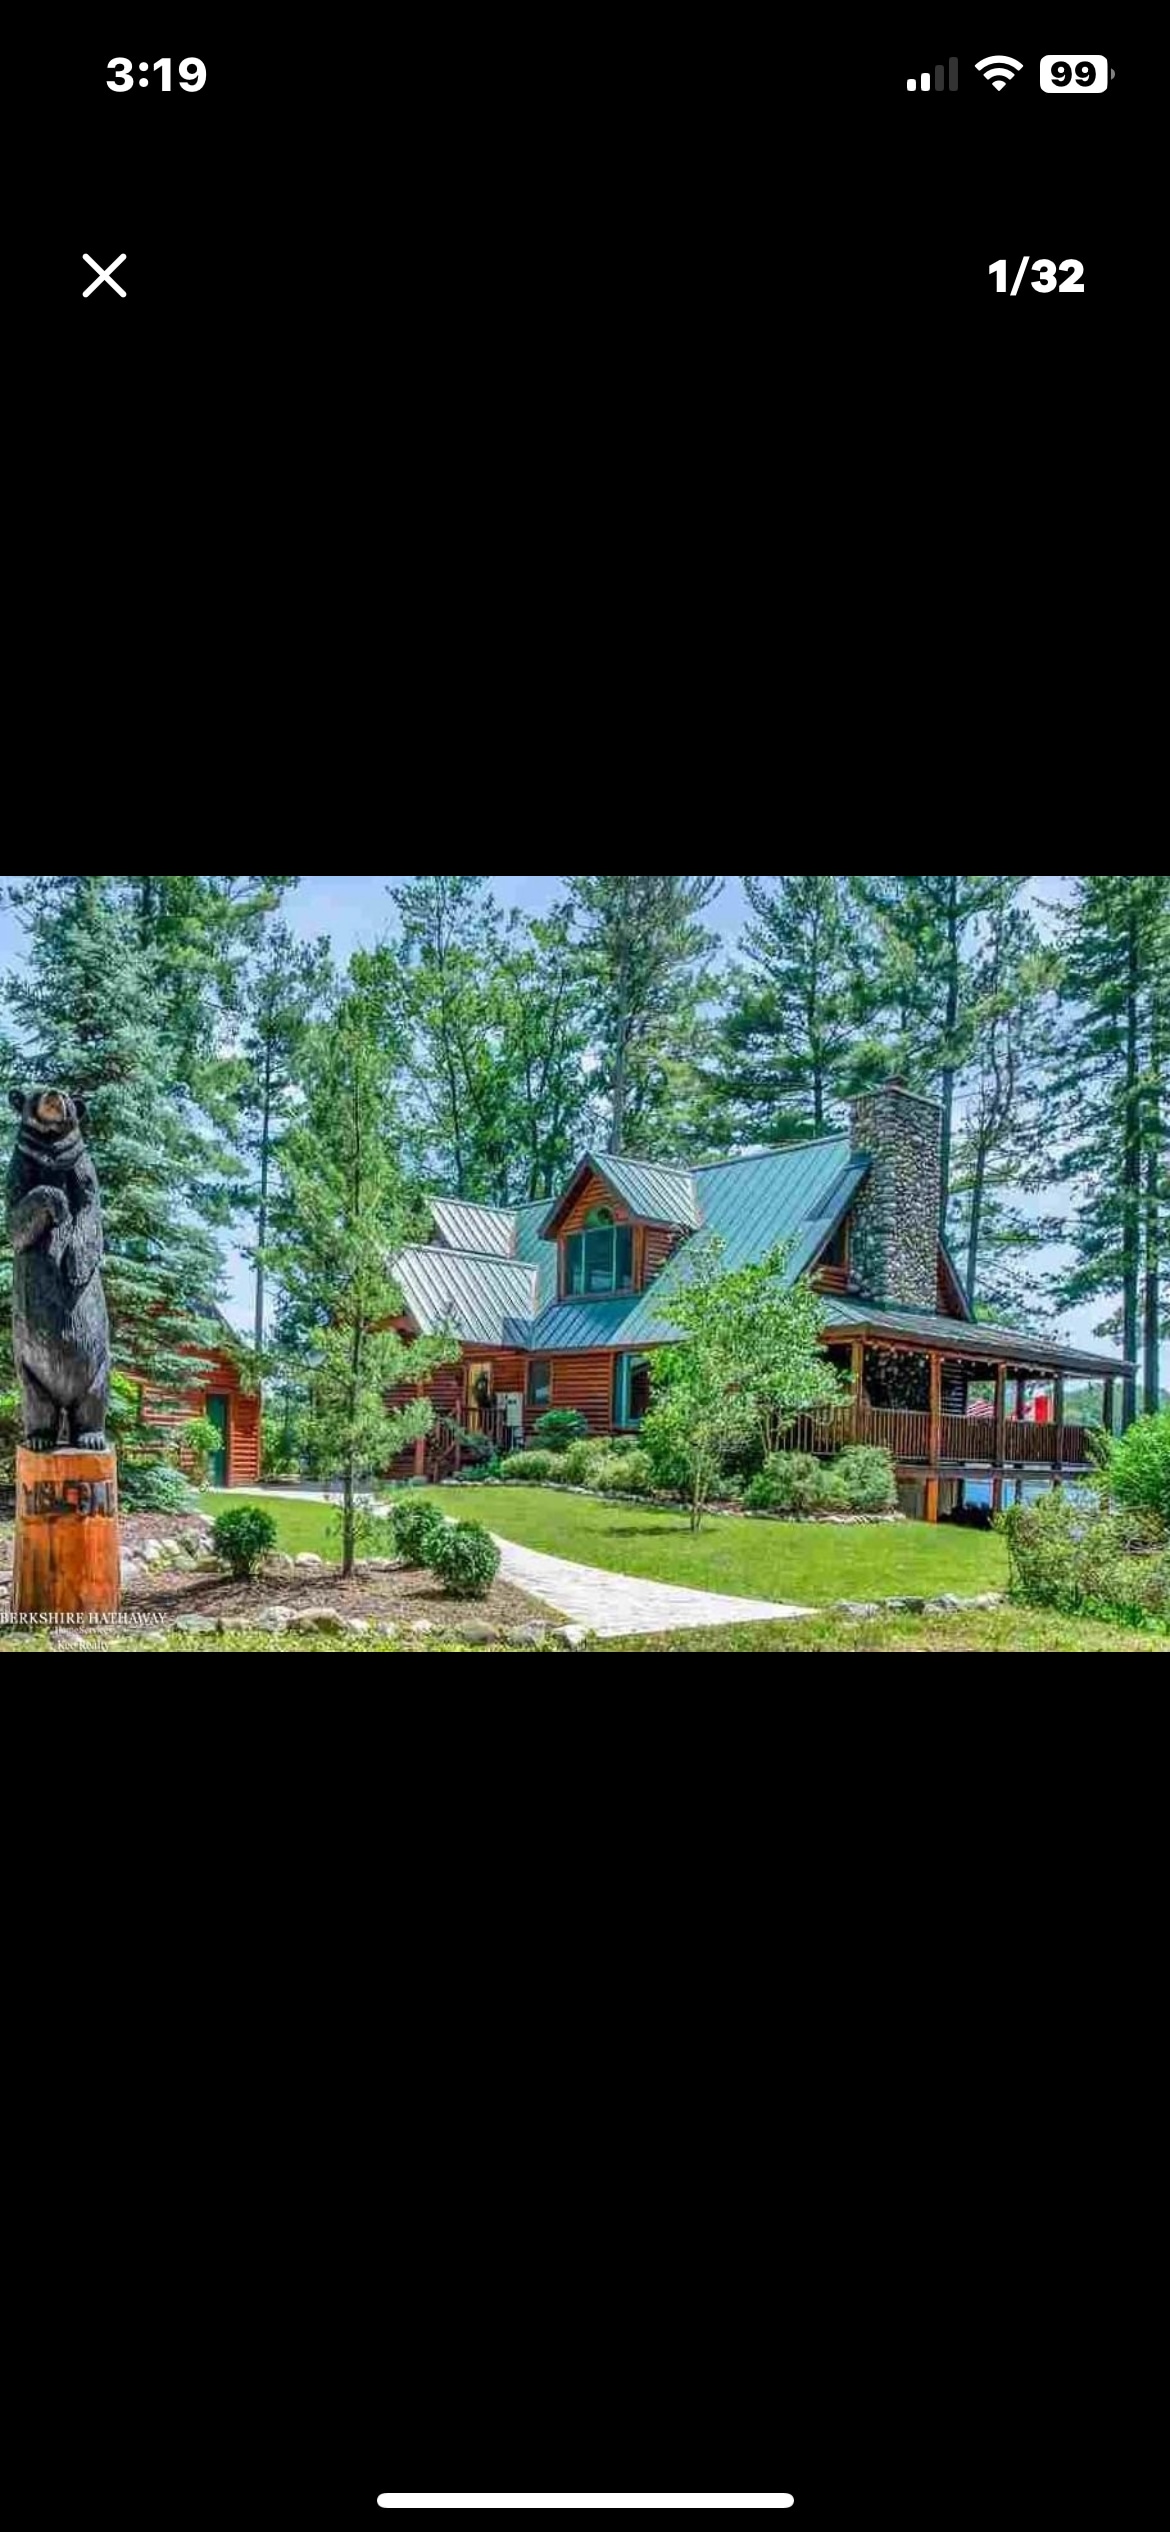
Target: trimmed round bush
pixel 558 1426
pixel 465 1559
pixel 157 1489
pixel 866 1478
pixel 1139 1465
pixel 531 1468
pixel 623 1473
pixel 789 1481
pixel 243 1539
pixel 415 1527
pixel 578 1460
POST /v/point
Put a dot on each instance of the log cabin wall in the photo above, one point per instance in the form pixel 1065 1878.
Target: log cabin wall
pixel 585 1381
pixel 165 1410
pixel 660 1242
pixel 595 1191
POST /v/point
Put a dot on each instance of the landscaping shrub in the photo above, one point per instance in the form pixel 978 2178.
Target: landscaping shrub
pixel 466 1559
pixel 531 1468
pixel 200 1439
pixel 1067 1553
pixel 622 1473
pixel 155 1488
pixel 416 1526
pixel 558 1426
pixel 620 1445
pixel 789 1481
pixel 578 1460
pixel 1139 1465
pixel 244 1538
pixel 866 1478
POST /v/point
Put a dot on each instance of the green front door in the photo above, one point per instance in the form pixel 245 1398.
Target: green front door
pixel 217 1409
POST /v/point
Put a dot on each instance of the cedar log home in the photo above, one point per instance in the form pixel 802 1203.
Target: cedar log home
pixel 561 1304
pixel 216 1393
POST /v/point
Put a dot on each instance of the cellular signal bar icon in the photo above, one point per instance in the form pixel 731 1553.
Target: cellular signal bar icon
pixel 924 82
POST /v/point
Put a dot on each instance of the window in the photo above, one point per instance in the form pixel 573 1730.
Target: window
pixel 600 1261
pixel 599 1218
pixel 631 1390
pixel 539 1381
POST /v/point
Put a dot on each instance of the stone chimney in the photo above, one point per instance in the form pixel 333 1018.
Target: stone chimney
pixel 894 1241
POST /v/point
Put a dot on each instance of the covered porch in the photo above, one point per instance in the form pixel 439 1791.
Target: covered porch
pixel 976 1404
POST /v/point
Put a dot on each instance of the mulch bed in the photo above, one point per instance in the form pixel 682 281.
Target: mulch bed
pixel 389 1598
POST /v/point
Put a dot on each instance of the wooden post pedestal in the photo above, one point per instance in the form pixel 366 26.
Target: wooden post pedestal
pixel 68 1555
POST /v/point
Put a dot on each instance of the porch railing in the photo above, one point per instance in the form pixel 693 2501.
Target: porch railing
pixel 966 1440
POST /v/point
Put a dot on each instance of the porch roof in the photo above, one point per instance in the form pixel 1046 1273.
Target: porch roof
pixel 969 1339
pixel 488 1300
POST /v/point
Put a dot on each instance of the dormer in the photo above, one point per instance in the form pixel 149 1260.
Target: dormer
pixel 616 1224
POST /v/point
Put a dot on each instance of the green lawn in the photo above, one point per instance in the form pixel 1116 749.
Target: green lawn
pixel 1009 1630
pixel 766 1560
pixel 302 1529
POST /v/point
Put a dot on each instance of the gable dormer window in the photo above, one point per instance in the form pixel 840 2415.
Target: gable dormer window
pixel 600 1259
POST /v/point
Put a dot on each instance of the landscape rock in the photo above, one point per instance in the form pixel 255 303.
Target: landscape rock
pixel 64 1639
pixel 857 1609
pixel 530 1634
pixel 279 1563
pixel 987 1600
pixel 151 1553
pixel 309 1564
pixel 358 1626
pixel 274 1620
pixel 476 1631
pixel 194 1624
pixel 908 1601
pixel 945 1604
pixel 318 1621
pixel 422 1626
pixel 573 1636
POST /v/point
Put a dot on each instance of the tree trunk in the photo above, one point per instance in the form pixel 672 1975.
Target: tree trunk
pixel 347 1523
pixel 1151 1383
pixel 977 1186
pixel 621 1024
pixel 1132 1182
pixel 948 1070
pixel 262 1211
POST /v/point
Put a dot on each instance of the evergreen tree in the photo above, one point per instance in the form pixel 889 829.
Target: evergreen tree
pixel 436 990
pixel 793 1042
pixel 645 951
pixel 1106 1102
pixel 343 1213
pixel 1010 988
pixel 927 944
pixel 540 1010
pixel 91 1013
pixel 285 989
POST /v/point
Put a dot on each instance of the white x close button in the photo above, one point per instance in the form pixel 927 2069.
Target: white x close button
pixel 103 276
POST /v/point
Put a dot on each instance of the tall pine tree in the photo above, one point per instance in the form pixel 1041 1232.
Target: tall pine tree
pixel 285 990
pixel 91 1012
pixel 343 1212
pixel 926 971
pixel 645 952
pixel 794 1040
pixel 1107 1100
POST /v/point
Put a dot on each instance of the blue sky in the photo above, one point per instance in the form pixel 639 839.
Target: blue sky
pixel 355 913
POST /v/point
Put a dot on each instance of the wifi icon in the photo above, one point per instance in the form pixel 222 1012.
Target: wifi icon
pixel 998 68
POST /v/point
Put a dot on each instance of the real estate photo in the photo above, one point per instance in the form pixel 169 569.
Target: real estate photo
pixel 585 1265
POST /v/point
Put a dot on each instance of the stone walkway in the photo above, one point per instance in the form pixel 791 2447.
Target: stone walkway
pixel 608 1604
pixel 625 1604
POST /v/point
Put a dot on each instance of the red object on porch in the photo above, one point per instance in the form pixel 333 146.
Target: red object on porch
pixel 1041 1410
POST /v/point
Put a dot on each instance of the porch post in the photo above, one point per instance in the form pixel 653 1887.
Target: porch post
pixel 1107 1404
pixel 857 1365
pixel 934 1446
pixel 420 1448
pixel 1021 1396
pixel 1000 1414
pixel 1058 1410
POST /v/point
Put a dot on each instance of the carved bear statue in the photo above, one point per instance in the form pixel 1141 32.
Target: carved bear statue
pixel 60 1331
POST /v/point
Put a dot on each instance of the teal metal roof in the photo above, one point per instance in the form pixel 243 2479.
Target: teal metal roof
pixel 483 1298
pixel 796 1194
pixel 973 1339
pixel 488 1230
pixel 654 1190
pixel 537 1252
